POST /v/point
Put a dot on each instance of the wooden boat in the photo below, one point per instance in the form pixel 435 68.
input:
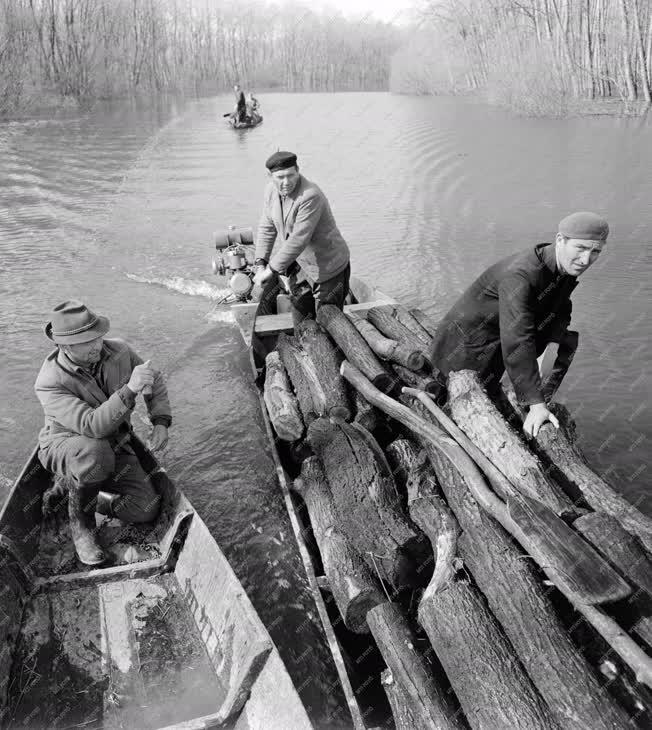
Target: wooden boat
pixel 167 640
pixel 381 677
pixel 256 119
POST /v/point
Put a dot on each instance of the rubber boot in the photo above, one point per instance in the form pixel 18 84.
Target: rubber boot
pixel 81 510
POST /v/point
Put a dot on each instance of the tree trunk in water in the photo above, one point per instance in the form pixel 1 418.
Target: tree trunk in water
pixel 481 421
pixel 326 361
pixel 354 347
pixel 424 699
pixel 365 497
pixel 280 400
pixel 354 588
pixel 383 319
pixel 388 349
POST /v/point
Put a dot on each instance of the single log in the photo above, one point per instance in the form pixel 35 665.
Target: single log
pixel 402 455
pixel 626 553
pixel 388 349
pixel 354 347
pixel 365 414
pixel 365 497
pixel 280 400
pixel 325 359
pixel 425 699
pixel 559 451
pixel 478 417
pixel 424 320
pixel 429 511
pixel 408 320
pixel 417 380
pixel 310 396
pixel 383 319
pixel 399 702
pixel 638 661
pixel 354 588
pixel 489 681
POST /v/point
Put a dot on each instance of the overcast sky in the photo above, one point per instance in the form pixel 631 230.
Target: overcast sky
pixel 387 10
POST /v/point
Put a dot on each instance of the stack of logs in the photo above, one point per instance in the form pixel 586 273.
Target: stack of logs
pixel 504 520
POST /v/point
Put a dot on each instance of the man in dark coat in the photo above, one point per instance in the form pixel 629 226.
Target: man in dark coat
pixel 510 313
pixel 240 104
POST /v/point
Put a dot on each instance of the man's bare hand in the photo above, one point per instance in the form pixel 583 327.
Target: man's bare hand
pixel 536 417
pixel 159 437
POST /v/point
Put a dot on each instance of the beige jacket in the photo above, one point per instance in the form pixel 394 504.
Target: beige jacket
pixel 307 231
pixel 76 403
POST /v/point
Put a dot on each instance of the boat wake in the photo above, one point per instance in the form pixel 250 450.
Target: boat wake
pixel 191 287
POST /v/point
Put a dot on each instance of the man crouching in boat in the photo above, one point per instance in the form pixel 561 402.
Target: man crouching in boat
pixel 313 253
pixel 510 313
pixel 88 388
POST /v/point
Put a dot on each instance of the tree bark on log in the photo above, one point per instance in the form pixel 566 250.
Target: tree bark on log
pixel 365 414
pixel 388 349
pixel 408 320
pixel 401 456
pixel 606 627
pixel 310 396
pixel 626 553
pixel 489 681
pixel 354 347
pixel 519 601
pixel 424 320
pixel 399 702
pixel 383 320
pixel 481 421
pixel 280 400
pixel 558 450
pixel 354 588
pixel 425 700
pixel 326 361
pixel 417 380
pixel 365 497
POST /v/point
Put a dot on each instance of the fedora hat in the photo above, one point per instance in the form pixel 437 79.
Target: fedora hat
pixel 73 323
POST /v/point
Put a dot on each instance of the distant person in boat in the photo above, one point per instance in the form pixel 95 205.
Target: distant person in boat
pixel 513 310
pixel 240 104
pixel 88 387
pixel 252 106
pixel 311 251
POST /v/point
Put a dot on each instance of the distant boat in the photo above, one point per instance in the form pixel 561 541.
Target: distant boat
pixel 253 121
pixel 164 637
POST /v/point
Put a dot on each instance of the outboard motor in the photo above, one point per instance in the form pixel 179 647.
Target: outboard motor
pixel 235 259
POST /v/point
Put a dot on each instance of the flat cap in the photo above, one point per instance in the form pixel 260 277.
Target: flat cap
pixel 585 226
pixel 280 161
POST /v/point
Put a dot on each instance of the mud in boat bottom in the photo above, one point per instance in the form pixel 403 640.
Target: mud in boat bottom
pixel 121 654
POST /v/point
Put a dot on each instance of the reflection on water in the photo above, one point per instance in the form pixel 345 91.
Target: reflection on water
pixel 118 207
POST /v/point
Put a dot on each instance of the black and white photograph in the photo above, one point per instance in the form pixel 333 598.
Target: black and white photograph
pixel 325 343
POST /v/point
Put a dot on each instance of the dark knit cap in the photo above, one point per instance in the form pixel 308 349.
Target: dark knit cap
pixel 281 161
pixel 585 226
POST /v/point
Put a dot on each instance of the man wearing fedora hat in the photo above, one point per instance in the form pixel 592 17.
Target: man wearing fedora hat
pixel 88 387
pixel 312 252
pixel 504 321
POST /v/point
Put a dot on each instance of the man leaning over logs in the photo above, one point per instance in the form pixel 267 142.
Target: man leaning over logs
pixel 510 313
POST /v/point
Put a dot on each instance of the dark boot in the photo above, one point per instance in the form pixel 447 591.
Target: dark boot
pixel 81 510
